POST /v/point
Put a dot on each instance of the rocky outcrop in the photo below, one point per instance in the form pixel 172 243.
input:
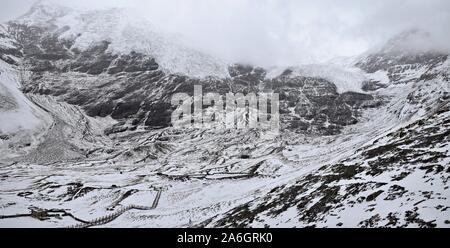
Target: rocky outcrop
pixel 134 90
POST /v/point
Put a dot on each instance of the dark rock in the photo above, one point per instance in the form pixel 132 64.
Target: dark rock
pixel 374 195
pixel 372 85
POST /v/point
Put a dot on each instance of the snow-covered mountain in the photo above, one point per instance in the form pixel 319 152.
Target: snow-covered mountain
pixel 124 33
pixel 85 132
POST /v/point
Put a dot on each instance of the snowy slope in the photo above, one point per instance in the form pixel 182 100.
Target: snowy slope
pixel 17 113
pixel 127 33
pixel 21 122
pixel 362 144
pixel 345 79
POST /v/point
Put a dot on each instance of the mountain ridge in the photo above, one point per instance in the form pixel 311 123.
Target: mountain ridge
pixel 361 145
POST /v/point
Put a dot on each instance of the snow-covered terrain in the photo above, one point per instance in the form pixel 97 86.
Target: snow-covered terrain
pixel 16 108
pixel 345 78
pixel 126 32
pixel 86 141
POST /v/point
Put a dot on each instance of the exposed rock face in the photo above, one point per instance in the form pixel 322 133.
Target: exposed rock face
pixel 134 90
pixel 371 157
pixel 9 47
pixel 372 85
pixel 313 104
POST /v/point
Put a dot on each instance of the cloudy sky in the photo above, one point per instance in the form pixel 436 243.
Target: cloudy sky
pixel 281 32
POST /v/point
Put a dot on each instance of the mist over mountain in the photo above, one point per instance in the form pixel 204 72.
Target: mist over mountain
pixel 279 33
pixel 86 131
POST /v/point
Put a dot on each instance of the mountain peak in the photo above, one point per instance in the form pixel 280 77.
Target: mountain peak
pixel 125 33
pixel 411 41
pixel 43 11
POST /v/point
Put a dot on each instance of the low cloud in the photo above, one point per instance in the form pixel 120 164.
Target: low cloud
pixel 284 32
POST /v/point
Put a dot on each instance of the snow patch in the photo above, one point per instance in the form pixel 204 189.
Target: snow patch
pixel 345 79
pixel 23 116
pixel 126 33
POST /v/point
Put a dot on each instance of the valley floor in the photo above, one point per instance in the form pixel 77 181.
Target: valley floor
pixel 173 178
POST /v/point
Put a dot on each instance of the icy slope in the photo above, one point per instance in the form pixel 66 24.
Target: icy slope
pixel 398 180
pixel 126 33
pixel 345 79
pixel 17 113
pixel 358 147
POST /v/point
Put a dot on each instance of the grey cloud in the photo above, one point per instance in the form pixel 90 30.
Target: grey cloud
pixel 282 32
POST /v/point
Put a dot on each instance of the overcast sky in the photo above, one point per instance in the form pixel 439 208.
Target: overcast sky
pixel 282 32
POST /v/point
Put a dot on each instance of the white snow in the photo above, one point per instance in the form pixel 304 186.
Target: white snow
pixel 345 79
pixel 286 157
pixel 5 42
pixel 127 33
pixel 26 116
